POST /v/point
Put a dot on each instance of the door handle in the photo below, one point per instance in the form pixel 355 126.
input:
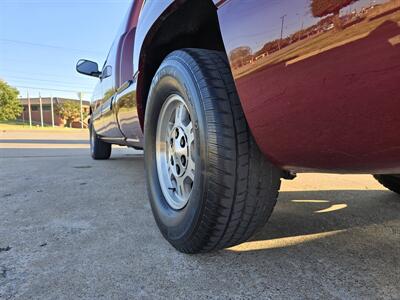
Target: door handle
pixel 111 102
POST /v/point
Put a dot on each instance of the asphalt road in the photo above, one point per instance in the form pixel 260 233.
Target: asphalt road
pixel 71 227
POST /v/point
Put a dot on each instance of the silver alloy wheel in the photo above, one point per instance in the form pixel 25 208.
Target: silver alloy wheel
pixel 174 152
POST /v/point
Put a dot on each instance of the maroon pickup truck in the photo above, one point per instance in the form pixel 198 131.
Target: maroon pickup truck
pixel 226 97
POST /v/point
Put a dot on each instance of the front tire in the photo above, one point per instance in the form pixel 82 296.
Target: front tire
pixel 230 188
pixel 98 148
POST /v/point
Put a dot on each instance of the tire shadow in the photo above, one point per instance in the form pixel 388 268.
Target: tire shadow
pixel 318 244
pixel 308 212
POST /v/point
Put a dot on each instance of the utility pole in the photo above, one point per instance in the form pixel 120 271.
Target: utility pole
pixel 52 111
pixel 283 21
pixel 41 110
pixel 80 99
pixel 29 108
pixel 23 113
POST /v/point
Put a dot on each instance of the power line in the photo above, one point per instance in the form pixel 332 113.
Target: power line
pixel 26 80
pixel 39 62
pixel 275 30
pixel 53 85
pixel 44 80
pixel 41 74
pixel 48 89
pixel 48 46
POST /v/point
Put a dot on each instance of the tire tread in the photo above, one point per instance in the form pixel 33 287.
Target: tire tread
pixel 243 186
pixel 99 149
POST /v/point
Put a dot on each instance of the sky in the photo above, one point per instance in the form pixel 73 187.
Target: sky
pixel 41 41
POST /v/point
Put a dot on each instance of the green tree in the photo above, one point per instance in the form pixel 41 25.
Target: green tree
pixel 69 111
pixel 321 8
pixel 10 106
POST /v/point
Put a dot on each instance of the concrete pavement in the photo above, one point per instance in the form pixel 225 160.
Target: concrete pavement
pixel 72 227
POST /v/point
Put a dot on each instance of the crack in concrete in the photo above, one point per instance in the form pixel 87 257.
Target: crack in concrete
pixel 5 249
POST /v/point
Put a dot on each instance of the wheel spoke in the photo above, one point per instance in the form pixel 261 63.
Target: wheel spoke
pixel 189 132
pixel 179 114
pixel 170 126
pixel 180 186
pixel 190 174
pixel 171 175
pixel 190 169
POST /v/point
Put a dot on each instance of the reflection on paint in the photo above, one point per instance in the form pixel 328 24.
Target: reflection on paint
pixel 307 28
pixel 318 80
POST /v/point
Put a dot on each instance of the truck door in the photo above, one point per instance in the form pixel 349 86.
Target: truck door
pixel 109 125
pixel 126 100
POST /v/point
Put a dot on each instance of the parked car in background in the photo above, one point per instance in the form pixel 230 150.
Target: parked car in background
pixel 226 97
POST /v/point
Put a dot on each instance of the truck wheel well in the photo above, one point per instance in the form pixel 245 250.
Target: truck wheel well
pixel 193 25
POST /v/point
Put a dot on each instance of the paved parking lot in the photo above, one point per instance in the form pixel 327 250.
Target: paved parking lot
pixel 71 227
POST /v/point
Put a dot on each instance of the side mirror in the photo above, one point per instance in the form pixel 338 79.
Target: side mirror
pixel 88 67
pixel 107 72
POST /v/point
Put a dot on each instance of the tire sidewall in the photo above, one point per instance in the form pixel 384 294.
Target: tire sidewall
pixel 174 77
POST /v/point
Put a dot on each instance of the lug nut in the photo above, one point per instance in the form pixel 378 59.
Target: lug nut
pixel 178 170
pixel 182 142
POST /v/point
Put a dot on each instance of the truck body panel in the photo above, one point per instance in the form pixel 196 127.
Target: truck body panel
pixel 320 93
pixel 316 97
